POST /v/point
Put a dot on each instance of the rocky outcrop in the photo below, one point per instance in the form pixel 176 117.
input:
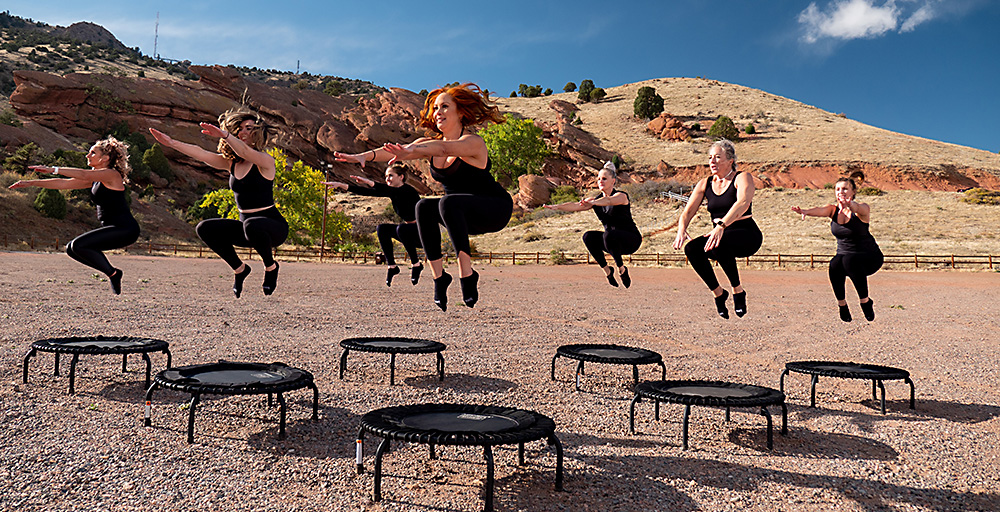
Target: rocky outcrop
pixel 533 191
pixel 668 127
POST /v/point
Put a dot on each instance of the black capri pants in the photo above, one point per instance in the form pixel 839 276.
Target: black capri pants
pixel 615 242
pixel 462 215
pixel 89 247
pixel 406 233
pixel 857 266
pixel 739 240
pixel 263 231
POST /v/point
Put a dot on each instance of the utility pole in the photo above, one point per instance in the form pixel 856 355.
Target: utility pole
pixel 156 35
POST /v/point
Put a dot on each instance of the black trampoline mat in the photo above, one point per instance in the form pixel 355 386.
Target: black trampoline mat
pixel 235 377
pixel 853 368
pixel 713 391
pixel 459 422
pixel 620 353
pixel 393 344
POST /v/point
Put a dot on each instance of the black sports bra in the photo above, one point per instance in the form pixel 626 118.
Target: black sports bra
pixel 253 190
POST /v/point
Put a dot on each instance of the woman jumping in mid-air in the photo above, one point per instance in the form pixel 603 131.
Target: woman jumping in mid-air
pixel 858 255
pixel 404 201
pixel 734 233
pixel 620 235
pixel 473 203
pixel 106 179
pixel 241 136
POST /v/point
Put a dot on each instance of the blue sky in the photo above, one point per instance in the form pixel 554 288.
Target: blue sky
pixel 929 68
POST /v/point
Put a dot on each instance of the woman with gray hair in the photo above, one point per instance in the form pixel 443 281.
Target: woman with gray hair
pixel 620 235
pixel 734 233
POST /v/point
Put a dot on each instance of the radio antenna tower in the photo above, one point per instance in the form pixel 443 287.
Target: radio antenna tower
pixel 156 35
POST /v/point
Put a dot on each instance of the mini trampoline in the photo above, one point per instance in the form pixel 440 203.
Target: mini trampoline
pixel 77 346
pixel 874 373
pixel 710 394
pixel 393 346
pixel 233 378
pixel 608 354
pixel 457 425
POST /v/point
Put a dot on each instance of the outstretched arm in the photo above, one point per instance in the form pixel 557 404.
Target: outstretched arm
pixel 214 160
pixel 571 206
pixel 819 211
pixel 335 185
pixel 470 147
pixel 616 199
pixel 263 161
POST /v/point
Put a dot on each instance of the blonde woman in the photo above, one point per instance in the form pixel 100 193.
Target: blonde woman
pixel 261 226
pixel 106 179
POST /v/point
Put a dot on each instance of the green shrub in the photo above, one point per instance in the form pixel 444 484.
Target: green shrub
pixel 870 191
pixel 22 158
pixel 564 194
pixel 828 186
pixel 513 94
pixel 648 104
pixel 8 117
pixel 334 88
pixel 569 87
pixel 586 87
pixel 750 130
pixel 981 196
pixel 547 92
pixel 516 147
pixel 558 257
pixel 723 128
pixel 696 127
pixel 597 95
pixel 51 203
pixel 157 162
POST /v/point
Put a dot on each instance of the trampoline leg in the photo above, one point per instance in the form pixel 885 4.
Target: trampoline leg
pixel 31 353
pixel 281 416
pixel 125 363
pixel 149 367
pixel 392 369
pixel 194 403
pixel 770 427
pixel 440 361
pixel 784 419
pixel 149 405
pixel 488 488
pixel 359 451
pixel 656 409
pixel 382 448
pixel 631 414
pixel 270 399
pixel 72 372
pixel 520 454
pixel 431 452
pixel 343 363
pixel 635 374
pixel 579 372
pixel 812 391
pixel 663 371
pixel 55 368
pixel 170 359
pixel 315 400
pixel 913 402
pixel 554 366
pixel 881 387
pixel 874 396
pixel 554 441
pixel 684 435
pixel 727 415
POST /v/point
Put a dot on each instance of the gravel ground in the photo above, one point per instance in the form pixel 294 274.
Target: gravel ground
pixel 89 451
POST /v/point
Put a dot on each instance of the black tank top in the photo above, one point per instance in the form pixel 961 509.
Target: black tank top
pixel 111 205
pixel 253 191
pixel 853 236
pixel 617 216
pixel 462 177
pixel 404 199
pixel 720 204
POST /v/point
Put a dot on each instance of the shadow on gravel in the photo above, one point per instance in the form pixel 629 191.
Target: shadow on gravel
pixel 463 382
pixel 809 444
pixel 950 411
pixel 333 435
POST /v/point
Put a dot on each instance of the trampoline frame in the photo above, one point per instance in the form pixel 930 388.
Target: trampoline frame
pixel 197 390
pixel 888 373
pixel 51 345
pixel 426 347
pixel 568 351
pixel 380 423
pixel 773 397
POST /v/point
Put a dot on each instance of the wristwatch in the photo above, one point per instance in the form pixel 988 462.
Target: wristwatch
pixel 720 223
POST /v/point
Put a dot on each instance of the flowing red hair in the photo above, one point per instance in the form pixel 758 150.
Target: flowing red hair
pixel 474 106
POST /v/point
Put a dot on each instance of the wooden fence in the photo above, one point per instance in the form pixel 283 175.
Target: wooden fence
pixel 983 261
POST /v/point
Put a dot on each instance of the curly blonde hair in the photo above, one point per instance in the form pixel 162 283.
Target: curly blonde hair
pixel 472 103
pixel 231 120
pixel 117 152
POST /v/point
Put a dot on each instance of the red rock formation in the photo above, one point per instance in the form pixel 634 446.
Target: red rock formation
pixel 533 191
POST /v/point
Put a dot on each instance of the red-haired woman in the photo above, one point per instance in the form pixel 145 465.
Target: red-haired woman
pixel 261 226
pixel 106 179
pixel 474 203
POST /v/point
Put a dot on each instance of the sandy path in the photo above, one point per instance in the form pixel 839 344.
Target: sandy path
pixel 89 451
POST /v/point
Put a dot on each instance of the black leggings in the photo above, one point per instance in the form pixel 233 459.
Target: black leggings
pixel 88 248
pixel 615 242
pixel 262 230
pixel 407 234
pixel 462 215
pixel 857 266
pixel 739 240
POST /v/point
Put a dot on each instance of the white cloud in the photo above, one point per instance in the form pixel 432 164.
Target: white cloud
pixel 864 19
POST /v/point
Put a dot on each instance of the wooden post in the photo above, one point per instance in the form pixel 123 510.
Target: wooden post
pixel 812 264
pixel 915 264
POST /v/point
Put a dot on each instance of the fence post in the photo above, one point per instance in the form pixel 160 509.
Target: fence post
pixel 538 258
pixel 32 244
pixel 513 257
pixel 56 246
pixel 915 264
pixel 991 260
pixel 779 259
pixel 952 261
pixel 811 262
